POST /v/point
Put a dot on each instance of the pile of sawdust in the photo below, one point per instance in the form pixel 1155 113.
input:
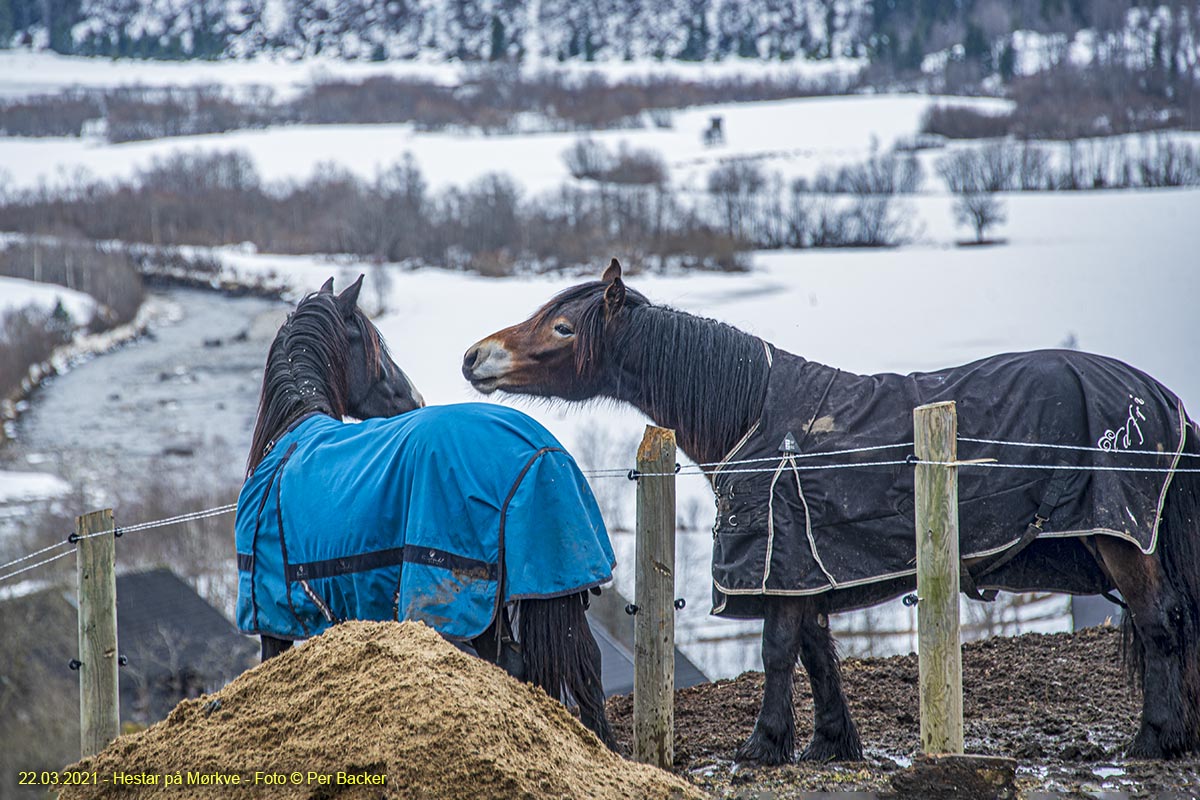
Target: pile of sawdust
pixel 370 699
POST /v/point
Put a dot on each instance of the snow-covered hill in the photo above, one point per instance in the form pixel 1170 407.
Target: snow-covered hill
pixel 16 294
pixel 1005 38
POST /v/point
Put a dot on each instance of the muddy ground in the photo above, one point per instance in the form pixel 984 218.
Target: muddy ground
pixel 1059 704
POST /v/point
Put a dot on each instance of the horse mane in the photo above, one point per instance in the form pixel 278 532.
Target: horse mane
pixel 306 370
pixel 702 377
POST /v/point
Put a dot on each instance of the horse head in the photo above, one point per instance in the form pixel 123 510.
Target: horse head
pixel 328 358
pixel 560 351
pixel 375 384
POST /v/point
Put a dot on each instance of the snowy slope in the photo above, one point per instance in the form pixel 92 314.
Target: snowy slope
pixel 793 136
pixel 22 486
pixel 16 293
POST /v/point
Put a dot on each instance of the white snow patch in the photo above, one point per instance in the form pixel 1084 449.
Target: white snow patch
pixel 17 293
pixel 23 486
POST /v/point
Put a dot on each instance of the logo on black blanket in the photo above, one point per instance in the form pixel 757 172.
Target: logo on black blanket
pixel 1122 438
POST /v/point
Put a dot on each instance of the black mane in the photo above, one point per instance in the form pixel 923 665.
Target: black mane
pixel 305 371
pixel 705 379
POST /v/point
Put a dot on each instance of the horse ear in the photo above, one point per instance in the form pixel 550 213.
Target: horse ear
pixel 613 273
pixel 327 287
pixel 614 295
pixel 348 299
pixel 614 298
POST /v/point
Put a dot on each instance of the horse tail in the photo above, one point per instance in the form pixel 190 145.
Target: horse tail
pixel 1179 553
pixel 562 656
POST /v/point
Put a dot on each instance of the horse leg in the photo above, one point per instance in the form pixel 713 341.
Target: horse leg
pixel 497 645
pixel 792 628
pixel 835 738
pixel 272 646
pixel 1161 649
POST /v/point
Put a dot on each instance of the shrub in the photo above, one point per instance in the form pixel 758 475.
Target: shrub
pixel 27 336
pixel 881 174
pixel 964 122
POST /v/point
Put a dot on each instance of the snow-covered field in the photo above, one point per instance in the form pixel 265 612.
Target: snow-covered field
pixel 1113 272
pixel 794 137
pixel 16 293
pixel 16 486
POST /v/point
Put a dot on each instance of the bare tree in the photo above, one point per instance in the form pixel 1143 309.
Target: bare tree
pixel 980 210
pixel 974 176
pixel 735 188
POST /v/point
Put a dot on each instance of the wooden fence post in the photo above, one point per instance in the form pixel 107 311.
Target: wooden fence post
pixel 654 596
pixel 935 428
pixel 99 708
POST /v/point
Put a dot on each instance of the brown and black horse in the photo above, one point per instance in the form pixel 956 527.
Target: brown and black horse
pixel 709 382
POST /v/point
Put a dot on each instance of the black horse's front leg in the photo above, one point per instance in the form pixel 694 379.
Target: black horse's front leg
pixel 834 736
pixel 793 627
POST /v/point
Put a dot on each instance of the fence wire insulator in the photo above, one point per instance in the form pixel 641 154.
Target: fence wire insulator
pixel 74 664
pixel 631 609
pixel 910 600
pixel 680 603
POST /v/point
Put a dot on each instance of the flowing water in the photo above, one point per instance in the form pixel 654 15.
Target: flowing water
pixel 177 406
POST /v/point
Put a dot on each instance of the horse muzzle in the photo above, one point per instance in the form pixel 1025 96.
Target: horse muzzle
pixel 485 365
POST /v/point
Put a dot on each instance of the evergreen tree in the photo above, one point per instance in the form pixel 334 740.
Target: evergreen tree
pixel 6 23
pixel 1008 61
pixel 499 41
pixel 60 16
pixel 696 47
pixel 976 47
pixel 914 53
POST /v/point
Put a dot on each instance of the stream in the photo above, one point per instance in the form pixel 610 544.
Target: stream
pixel 175 407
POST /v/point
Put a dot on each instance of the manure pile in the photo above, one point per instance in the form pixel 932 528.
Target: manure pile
pixel 328 718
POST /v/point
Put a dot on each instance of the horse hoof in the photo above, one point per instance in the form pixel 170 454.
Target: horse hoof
pixel 822 749
pixel 762 749
pixel 1141 750
pixel 1158 745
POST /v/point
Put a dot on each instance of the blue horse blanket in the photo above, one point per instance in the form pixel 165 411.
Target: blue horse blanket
pixel 442 515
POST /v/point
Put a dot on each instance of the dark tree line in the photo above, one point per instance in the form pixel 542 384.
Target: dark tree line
pixel 492 101
pixel 490 225
pixel 621 201
pixel 1145 162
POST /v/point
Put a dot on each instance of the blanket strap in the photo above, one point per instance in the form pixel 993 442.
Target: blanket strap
pixel 968 579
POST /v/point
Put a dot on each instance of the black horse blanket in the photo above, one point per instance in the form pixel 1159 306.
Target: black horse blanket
pixel 791 523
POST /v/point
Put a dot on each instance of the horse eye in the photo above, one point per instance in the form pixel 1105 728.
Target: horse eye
pixel 563 330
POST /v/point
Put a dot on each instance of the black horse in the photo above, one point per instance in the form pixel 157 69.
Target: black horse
pixel 327 362
pixel 812 537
